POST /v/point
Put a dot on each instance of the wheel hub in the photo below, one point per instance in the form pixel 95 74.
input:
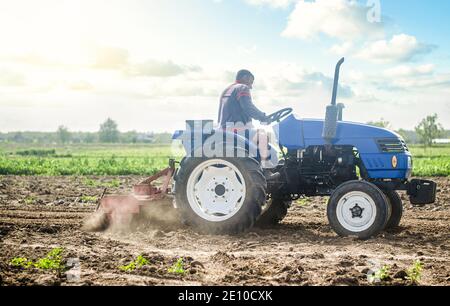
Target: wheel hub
pixel 216 190
pixel 220 190
pixel 356 211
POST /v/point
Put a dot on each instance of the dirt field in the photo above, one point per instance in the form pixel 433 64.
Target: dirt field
pixel 41 213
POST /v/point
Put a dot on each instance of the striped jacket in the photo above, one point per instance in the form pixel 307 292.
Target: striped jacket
pixel 236 106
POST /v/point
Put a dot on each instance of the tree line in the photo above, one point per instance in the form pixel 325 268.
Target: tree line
pixel 424 133
pixel 428 130
pixel 107 133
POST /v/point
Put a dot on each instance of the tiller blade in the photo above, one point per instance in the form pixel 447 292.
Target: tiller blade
pixel 118 211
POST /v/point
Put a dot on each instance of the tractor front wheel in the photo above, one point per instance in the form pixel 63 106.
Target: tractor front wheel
pixel 358 208
pixel 396 209
pixel 220 195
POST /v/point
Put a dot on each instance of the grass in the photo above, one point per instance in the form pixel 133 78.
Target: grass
pixel 142 159
pixel 381 275
pixel 30 200
pixel 178 267
pixel 22 262
pixel 432 166
pixel 88 199
pixel 414 273
pixel 434 161
pixel 93 183
pixel 36 152
pixel 53 261
pixel 302 201
pixel 436 151
pixel 87 160
pixel 137 263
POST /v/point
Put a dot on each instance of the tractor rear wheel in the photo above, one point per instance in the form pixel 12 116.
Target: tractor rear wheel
pixel 273 212
pixel 358 208
pixel 396 209
pixel 220 195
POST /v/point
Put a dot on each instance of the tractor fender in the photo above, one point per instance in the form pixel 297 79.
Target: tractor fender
pixel 241 146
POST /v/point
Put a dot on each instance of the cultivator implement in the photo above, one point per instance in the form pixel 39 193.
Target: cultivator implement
pixel 119 211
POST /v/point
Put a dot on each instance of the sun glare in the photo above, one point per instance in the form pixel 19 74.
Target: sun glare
pixel 52 32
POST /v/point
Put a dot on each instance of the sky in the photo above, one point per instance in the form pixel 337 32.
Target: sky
pixel 152 64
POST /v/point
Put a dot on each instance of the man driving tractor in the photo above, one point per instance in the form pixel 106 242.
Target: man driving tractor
pixel 237 110
pixel 236 104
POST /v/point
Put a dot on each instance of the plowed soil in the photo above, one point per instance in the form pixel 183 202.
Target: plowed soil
pixel 38 214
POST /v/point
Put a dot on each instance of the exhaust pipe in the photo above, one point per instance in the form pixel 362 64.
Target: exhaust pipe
pixel 333 112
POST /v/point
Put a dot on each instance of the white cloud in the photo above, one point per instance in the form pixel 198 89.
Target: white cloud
pixel 110 58
pixel 81 86
pixel 309 81
pixel 342 49
pixel 422 83
pixel 119 59
pixel 402 81
pixel 155 68
pixel 400 48
pixel 272 3
pixel 30 59
pixel 11 78
pixel 348 22
pixel 341 19
pixel 409 71
pixel 244 50
pixel 296 83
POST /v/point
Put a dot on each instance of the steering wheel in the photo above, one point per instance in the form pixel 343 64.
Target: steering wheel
pixel 277 116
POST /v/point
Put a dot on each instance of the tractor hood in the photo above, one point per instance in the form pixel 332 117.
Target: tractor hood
pixel 296 133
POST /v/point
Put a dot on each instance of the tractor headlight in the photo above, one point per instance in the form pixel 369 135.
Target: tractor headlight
pixel 410 167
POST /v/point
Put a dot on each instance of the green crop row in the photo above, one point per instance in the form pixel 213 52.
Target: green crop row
pixel 81 166
pixel 147 166
pixel 432 166
pixel 147 159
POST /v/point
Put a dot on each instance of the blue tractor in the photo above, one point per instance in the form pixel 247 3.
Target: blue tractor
pixel 360 168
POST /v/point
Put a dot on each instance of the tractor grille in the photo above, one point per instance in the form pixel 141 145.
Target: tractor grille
pixel 392 145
